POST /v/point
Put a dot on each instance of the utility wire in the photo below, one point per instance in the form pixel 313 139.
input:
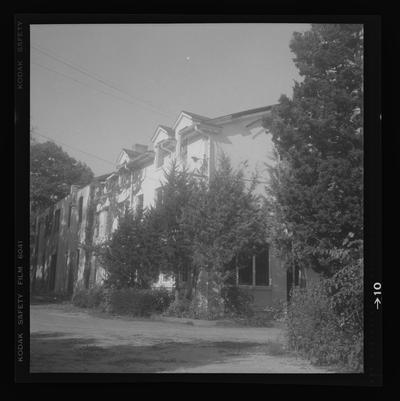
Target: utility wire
pixel 95 77
pixel 35 132
pixel 88 86
pixel 80 82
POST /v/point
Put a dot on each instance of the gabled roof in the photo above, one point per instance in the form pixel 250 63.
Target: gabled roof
pixel 101 177
pixel 201 127
pixel 195 116
pixel 142 157
pixel 170 132
pixel 131 153
pixel 244 113
pixel 135 158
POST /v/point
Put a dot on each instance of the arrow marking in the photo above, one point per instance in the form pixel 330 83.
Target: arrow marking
pixel 377 302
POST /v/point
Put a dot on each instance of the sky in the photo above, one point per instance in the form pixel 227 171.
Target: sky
pixel 98 88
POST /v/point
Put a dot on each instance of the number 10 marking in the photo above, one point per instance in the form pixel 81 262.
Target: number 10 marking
pixel 377 287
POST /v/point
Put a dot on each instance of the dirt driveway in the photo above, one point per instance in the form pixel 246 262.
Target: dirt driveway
pixel 67 339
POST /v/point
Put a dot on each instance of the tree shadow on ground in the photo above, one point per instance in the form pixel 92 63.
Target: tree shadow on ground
pixel 59 352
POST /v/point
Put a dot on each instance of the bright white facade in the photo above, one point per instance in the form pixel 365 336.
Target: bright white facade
pixel 63 261
pixel 197 142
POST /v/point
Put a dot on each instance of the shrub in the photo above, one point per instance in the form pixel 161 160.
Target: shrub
pixel 237 301
pixel 89 298
pixel 162 299
pixel 180 308
pixel 324 320
pixel 276 311
pixel 237 304
pixel 191 309
pixel 137 302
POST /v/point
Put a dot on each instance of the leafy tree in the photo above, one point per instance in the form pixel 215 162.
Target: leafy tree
pixel 131 258
pixel 52 172
pixel 317 185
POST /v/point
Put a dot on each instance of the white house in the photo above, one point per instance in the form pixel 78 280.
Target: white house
pixel 196 142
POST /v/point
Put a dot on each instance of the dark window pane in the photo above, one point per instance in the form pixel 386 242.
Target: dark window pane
pixel 296 274
pixel 184 275
pixel 262 267
pixel 69 215
pixel 80 209
pixel 57 220
pixel 48 224
pixel 245 264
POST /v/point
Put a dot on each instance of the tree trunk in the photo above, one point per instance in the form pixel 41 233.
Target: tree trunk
pixel 189 286
pixel 200 299
pixel 208 300
pixel 216 306
pixel 177 288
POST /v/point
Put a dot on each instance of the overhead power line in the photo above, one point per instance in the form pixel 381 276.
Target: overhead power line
pixel 35 132
pixel 85 84
pixel 98 79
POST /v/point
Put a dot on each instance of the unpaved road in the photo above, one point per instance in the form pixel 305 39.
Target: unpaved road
pixel 67 339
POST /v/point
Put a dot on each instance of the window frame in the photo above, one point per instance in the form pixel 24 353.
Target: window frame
pixel 253 283
pixel 57 220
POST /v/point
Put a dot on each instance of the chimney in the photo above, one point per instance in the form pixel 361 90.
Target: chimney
pixel 139 148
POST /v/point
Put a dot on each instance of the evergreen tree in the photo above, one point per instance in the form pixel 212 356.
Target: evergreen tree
pixel 178 189
pixel 223 218
pixel 317 185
